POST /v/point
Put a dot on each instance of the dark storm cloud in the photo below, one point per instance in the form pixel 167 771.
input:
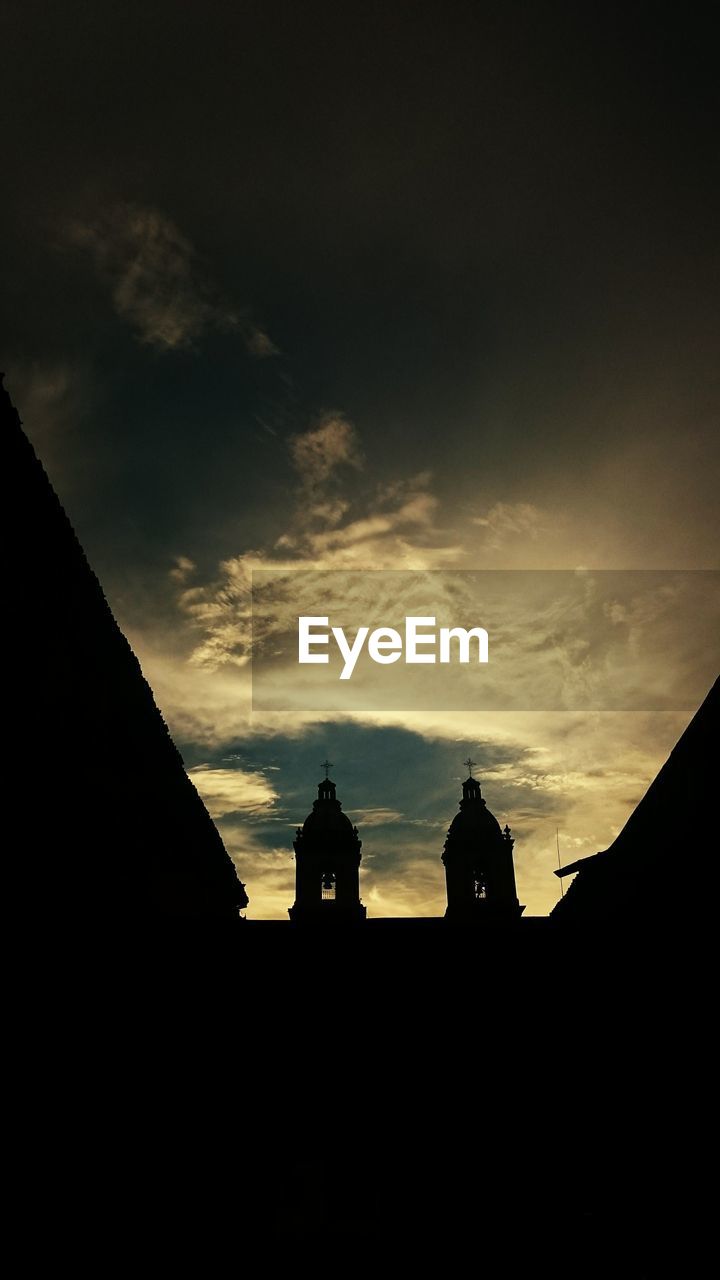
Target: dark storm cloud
pixel 478 177
pixel 484 227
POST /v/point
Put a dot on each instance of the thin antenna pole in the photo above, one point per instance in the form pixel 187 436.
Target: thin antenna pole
pixel 557 842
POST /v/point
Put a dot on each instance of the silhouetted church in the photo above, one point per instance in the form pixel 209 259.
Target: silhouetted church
pixel 327 859
pixel 478 860
pixel 628 885
pixel 396 1091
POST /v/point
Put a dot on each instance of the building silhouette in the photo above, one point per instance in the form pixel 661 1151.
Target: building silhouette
pixel 638 881
pixel 405 1080
pixel 115 828
pixel 327 863
pixel 478 860
pixel 477 855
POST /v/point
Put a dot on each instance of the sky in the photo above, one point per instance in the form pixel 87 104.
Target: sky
pixel 428 286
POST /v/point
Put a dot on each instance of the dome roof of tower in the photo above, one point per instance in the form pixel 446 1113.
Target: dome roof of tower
pixel 474 820
pixel 327 816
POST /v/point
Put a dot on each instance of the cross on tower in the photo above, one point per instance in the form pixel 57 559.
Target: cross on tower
pixel 327 765
pixel 470 765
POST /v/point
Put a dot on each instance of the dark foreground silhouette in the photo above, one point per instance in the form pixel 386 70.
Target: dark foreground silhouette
pixel 198 1091
pixel 113 827
pixel 644 879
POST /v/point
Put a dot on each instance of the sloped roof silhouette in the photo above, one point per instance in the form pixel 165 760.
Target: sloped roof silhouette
pixel 109 822
pixel 647 873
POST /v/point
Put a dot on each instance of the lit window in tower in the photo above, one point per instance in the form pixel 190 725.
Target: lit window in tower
pixel 328 887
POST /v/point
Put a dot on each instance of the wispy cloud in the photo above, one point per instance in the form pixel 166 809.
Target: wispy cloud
pixel 579 772
pixel 582 773
pixel 318 453
pixel 327 527
pixel 158 282
pixel 183 569
pixel 507 520
pixel 564 643
pixel 232 790
pixel 268 873
pixel 377 817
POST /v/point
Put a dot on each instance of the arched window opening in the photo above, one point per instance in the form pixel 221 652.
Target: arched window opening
pixel 328 887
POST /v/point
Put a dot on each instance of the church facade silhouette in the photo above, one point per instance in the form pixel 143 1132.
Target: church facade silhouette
pixel 478 858
pixel 480 1012
pixel 327 860
pixel 625 885
pixel 477 855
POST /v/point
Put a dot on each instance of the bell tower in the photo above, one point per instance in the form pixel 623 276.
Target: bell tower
pixel 478 860
pixel 327 862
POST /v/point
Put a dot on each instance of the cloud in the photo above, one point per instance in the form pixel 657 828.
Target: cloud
pixel 580 772
pixel 376 817
pixel 269 874
pixel 415 886
pixel 320 451
pixel 564 643
pixel 507 520
pixel 157 282
pixel 184 568
pixel 386 527
pixel 232 790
